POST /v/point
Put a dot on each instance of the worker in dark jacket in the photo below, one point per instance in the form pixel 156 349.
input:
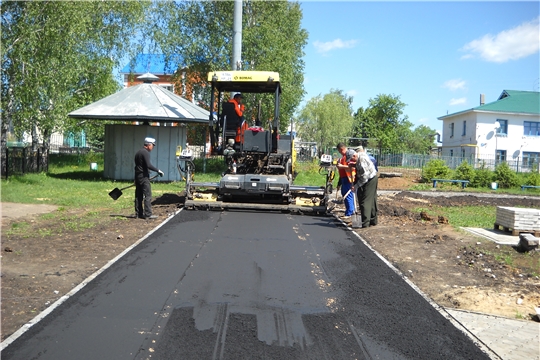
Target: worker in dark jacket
pixel 366 182
pixel 143 189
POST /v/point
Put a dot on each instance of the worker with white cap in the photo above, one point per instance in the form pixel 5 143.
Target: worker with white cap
pixel 143 189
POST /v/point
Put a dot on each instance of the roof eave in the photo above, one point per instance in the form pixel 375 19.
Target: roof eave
pixel 137 118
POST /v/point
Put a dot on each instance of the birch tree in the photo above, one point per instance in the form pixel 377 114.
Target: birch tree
pixel 199 34
pixel 59 55
pixel 326 119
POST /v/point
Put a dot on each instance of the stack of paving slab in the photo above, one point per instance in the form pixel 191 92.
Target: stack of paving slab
pixel 518 219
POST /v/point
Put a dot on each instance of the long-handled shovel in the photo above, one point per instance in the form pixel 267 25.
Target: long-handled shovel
pixel 356 219
pixel 116 193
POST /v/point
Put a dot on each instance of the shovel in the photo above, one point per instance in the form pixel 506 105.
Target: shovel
pixel 116 193
pixel 356 219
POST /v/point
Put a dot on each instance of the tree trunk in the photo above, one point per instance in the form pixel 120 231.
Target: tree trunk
pixel 47 139
pixel 35 138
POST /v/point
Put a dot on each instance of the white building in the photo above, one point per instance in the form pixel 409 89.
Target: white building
pixel 504 130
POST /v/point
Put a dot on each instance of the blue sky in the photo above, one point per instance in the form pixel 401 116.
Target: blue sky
pixel 437 56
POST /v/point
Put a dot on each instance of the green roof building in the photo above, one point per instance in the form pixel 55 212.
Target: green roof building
pixel 507 129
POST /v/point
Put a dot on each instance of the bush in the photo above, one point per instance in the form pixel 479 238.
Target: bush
pixel 505 176
pixel 435 169
pixel 533 178
pixel 482 177
pixel 464 172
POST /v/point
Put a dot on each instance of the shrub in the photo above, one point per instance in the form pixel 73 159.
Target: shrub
pixel 435 169
pixel 505 176
pixel 482 177
pixel 533 178
pixel 464 171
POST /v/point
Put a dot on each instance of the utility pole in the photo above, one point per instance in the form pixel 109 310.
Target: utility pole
pixel 236 61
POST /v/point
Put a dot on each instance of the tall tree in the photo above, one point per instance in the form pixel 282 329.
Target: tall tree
pixel 383 121
pixel 327 119
pixel 420 140
pixel 200 34
pixel 383 125
pixel 59 55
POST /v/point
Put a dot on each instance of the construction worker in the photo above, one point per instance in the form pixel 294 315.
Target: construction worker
pixel 366 183
pixel 239 109
pixel 143 189
pixel 347 176
pixel 238 106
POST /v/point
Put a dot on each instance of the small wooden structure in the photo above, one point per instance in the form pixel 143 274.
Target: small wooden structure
pixel 138 107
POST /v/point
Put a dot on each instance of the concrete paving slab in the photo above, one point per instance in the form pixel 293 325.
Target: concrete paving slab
pixel 498 236
pixel 510 339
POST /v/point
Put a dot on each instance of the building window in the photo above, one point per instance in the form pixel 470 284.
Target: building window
pixel 169 87
pixel 462 152
pixel 452 130
pixel 531 128
pixel 464 132
pixel 531 159
pixel 451 151
pixel 500 156
pixel 503 128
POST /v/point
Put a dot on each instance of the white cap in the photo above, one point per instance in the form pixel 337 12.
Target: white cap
pixel 150 140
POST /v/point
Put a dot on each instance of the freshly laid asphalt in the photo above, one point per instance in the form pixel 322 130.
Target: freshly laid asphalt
pixel 245 285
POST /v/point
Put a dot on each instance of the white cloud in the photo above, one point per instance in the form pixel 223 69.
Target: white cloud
pixel 458 101
pixel 423 120
pixel 513 44
pixel 351 93
pixel 324 47
pixel 454 84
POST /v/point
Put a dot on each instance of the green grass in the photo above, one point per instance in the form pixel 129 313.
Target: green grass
pixel 72 186
pixel 504 258
pixel 308 175
pixel 465 216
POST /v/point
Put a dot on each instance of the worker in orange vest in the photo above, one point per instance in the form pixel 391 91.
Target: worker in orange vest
pixel 347 176
pixel 239 108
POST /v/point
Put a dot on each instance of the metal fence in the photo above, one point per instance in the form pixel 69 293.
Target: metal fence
pixel 23 160
pixel 59 143
pixel 18 158
pixel 518 164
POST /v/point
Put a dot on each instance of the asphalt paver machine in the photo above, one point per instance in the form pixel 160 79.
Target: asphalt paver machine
pixel 260 161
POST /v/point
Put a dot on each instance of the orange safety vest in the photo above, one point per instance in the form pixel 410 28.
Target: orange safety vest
pixel 239 108
pixel 350 173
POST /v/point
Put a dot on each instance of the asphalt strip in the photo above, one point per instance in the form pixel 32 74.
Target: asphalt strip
pixel 484 347
pixel 76 289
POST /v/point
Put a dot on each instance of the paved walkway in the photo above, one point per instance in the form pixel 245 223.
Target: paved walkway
pixel 509 339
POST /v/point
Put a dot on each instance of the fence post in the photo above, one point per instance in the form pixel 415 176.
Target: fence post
pixel 7 162
pixel 23 160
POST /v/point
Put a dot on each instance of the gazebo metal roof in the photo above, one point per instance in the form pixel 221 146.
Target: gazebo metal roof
pixel 143 102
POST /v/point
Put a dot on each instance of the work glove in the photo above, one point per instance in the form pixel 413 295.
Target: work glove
pixel 161 173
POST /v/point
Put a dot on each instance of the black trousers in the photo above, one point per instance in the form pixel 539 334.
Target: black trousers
pixel 367 198
pixel 143 197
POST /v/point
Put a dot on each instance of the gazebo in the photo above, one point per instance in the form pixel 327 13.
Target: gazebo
pixel 141 105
